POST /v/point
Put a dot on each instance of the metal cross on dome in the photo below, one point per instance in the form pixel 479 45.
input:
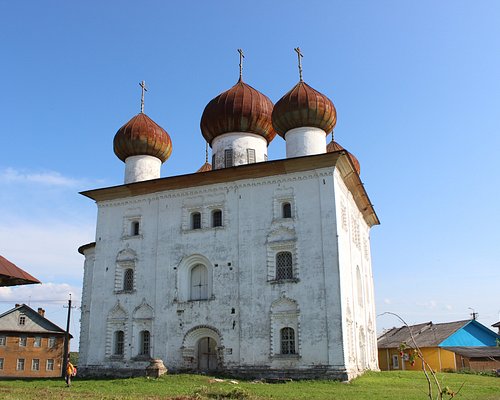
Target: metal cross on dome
pixel 242 56
pixel 299 55
pixel 144 89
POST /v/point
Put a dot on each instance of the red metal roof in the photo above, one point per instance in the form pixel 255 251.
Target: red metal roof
pixel 303 106
pixel 334 146
pixel 11 275
pixel 142 136
pixel 239 109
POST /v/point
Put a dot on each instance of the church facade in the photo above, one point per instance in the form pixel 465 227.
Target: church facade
pixel 250 267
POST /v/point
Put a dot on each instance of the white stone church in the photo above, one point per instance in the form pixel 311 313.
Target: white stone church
pixel 250 267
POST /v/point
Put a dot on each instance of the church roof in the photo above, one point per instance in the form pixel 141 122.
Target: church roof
pixel 334 146
pixel 249 171
pixel 11 274
pixel 303 106
pixel 239 109
pixel 205 167
pixel 142 136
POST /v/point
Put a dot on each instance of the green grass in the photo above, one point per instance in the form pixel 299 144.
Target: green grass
pixel 405 385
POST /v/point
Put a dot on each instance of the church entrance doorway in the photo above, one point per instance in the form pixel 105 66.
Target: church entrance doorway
pixel 207 354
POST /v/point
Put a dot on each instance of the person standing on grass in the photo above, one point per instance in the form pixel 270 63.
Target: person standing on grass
pixel 70 372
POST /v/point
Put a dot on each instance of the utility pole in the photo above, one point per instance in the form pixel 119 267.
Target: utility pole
pixel 66 340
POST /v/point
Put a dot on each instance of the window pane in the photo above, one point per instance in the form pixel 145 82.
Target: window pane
pixel 287 341
pixel 50 365
pixel 1 363
pixel 251 156
pixel 135 228
pixel 3 340
pixel 52 341
pixel 228 161
pixel 287 210
pixel 22 319
pixel 35 364
pixel 22 341
pixel 37 342
pixel 128 280
pixel 196 220
pixel 20 364
pixel 145 343
pixel 284 267
pixel 217 218
pixel 119 343
pixel 199 283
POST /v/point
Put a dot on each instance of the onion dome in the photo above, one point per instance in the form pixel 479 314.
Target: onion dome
pixel 239 109
pixel 205 167
pixel 334 146
pixel 303 106
pixel 142 136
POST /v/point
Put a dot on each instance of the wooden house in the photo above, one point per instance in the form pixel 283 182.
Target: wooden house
pixel 445 346
pixel 30 345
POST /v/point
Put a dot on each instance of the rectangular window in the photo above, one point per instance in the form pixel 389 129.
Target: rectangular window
pixel 395 361
pixel 50 365
pixel 22 319
pixel 20 364
pixel 251 156
pixel 135 228
pixel 228 158
pixel 22 341
pixel 51 342
pixel 35 364
pixel 37 342
pixel 1 363
pixel 3 340
pixel 196 220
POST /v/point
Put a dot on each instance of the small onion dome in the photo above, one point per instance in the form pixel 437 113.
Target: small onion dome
pixel 205 167
pixel 303 106
pixel 334 146
pixel 239 109
pixel 141 136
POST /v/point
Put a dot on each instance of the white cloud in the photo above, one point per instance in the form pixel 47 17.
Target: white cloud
pixel 431 304
pixel 47 249
pixel 45 293
pixel 51 178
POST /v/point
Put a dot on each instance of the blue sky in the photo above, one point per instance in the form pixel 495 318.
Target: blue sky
pixel 416 86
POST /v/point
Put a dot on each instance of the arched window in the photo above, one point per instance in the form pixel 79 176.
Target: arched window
pixel 216 218
pixel 119 343
pixel 128 280
pixel 145 343
pixel 135 228
pixel 287 336
pixel 359 286
pixel 196 220
pixel 286 210
pixel 284 265
pixel 199 282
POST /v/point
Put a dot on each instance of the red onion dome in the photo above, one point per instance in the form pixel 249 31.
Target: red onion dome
pixel 142 136
pixel 239 109
pixel 334 146
pixel 303 106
